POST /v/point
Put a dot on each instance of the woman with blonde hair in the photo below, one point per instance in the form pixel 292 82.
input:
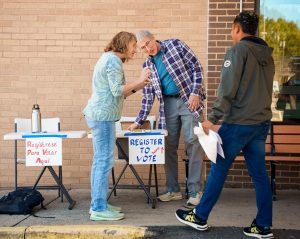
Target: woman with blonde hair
pixel 103 109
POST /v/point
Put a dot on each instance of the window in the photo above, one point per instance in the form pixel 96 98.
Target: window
pixel 280 28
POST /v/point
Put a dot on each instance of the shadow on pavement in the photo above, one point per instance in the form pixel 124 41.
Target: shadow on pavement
pixel 180 232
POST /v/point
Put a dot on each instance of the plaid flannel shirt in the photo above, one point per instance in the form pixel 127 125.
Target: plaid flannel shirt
pixel 185 69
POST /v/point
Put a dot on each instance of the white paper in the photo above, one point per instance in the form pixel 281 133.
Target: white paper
pixel 44 151
pixel 211 143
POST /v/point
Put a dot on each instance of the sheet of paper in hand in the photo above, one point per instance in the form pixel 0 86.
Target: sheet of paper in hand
pixel 211 143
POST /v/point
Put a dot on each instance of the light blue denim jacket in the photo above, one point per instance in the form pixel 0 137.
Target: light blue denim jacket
pixel 108 81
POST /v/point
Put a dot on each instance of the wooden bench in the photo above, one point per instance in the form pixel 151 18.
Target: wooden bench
pixel 282 145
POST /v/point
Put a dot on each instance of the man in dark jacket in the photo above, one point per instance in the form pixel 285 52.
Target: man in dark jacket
pixel 244 103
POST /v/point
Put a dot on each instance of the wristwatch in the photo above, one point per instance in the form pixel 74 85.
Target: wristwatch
pixel 133 91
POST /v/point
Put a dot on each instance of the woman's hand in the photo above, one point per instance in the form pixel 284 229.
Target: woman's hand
pixel 138 84
pixel 144 78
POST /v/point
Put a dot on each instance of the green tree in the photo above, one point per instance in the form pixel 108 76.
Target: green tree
pixel 282 35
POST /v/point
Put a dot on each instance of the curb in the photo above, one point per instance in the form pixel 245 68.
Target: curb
pixel 73 232
pixel 12 232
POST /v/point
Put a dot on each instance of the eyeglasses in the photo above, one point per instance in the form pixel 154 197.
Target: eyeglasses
pixel 146 45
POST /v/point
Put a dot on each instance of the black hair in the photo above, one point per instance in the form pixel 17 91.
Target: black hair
pixel 248 20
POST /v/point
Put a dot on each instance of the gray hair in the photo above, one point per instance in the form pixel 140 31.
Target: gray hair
pixel 142 34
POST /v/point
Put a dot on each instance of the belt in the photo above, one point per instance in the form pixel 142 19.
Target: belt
pixel 172 96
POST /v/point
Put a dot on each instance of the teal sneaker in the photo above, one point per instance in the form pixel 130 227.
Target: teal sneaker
pixel 114 208
pixel 106 215
pixel 110 208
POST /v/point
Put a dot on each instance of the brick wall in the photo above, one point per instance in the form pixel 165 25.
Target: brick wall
pixel 221 15
pixel 47 53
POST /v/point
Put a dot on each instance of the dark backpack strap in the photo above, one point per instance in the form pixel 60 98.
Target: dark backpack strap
pixel 34 215
pixel 43 206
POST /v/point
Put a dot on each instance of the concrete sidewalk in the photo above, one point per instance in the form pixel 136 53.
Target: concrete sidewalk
pixel 236 208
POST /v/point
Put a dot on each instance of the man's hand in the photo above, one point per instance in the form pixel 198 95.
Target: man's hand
pixel 133 126
pixel 206 125
pixel 194 102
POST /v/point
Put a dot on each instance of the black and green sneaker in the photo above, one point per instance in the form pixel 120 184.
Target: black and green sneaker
pixel 259 232
pixel 191 219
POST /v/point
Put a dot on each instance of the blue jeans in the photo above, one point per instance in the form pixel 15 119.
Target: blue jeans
pixel 104 137
pixel 251 140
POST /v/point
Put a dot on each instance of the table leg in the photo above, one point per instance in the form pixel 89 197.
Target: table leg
pixel 39 177
pixel 118 179
pixel 16 166
pixel 114 180
pixel 156 183
pixel 150 180
pixel 59 183
pixel 62 187
pixel 153 201
pixel 60 179
pixel 143 186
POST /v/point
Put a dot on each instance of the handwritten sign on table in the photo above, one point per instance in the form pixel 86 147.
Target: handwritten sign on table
pixel 43 151
pixel 146 149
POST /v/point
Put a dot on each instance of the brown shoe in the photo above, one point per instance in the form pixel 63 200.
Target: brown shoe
pixel 170 196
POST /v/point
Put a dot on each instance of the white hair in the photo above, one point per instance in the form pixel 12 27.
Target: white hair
pixel 142 34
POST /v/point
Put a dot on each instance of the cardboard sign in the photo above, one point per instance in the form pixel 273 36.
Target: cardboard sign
pixel 146 149
pixel 43 151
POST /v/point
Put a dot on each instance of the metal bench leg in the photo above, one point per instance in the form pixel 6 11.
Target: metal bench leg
pixel 273 180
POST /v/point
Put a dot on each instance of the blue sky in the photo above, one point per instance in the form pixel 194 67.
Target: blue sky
pixel 287 9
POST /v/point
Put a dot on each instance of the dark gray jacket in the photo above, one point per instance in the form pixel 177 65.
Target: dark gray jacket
pixel 245 92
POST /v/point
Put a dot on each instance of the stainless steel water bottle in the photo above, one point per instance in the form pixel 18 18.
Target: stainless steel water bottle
pixel 36 119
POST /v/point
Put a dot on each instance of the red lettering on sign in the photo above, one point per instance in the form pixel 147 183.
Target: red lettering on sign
pixel 29 152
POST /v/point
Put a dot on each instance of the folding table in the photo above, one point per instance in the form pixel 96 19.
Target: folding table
pixel 121 134
pixel 60 134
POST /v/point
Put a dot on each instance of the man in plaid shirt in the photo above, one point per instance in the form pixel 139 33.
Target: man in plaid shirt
pixel 176 81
